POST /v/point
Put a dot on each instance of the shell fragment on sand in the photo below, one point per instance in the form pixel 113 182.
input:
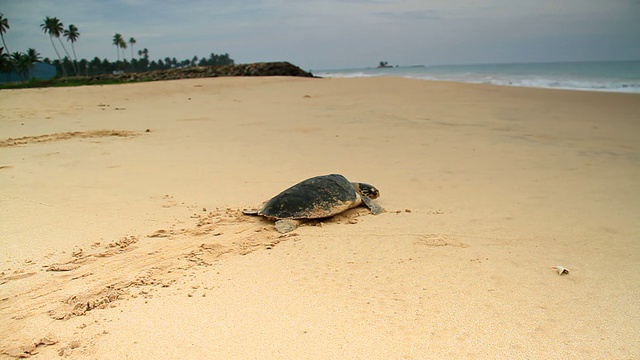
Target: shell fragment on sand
pixel 561 270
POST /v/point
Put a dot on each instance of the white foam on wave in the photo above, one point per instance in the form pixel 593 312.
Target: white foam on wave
pixel 536 82
pixel 612 86
pixel 604 76
pixel 541 82
pixel 344 75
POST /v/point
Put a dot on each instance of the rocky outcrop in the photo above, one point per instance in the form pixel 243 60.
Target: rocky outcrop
pixel 255 69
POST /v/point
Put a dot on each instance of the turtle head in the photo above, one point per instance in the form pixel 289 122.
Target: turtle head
pixel 367 190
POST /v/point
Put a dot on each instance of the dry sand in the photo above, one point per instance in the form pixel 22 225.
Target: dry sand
pixel 117 242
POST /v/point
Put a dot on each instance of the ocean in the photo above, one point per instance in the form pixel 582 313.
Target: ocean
pixel 613 76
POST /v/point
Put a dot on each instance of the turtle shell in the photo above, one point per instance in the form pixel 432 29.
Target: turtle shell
pixel 317 197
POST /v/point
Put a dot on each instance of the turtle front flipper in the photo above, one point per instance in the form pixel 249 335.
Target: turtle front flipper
pixel 286 225
pixel 372 205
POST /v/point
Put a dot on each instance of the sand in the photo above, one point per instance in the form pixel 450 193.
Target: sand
pixel 121 234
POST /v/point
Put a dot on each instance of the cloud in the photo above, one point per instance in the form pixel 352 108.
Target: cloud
pixel 409 15
pixel 339 33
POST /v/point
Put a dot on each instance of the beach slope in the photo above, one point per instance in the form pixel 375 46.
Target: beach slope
pixel 121 232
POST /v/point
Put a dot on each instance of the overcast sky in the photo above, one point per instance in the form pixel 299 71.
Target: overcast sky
pixel 331 34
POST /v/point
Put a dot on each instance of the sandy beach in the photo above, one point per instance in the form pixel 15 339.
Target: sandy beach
pixel 122 237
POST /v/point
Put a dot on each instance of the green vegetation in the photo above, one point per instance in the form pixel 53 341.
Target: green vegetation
pixel 21 63
pixel 59 82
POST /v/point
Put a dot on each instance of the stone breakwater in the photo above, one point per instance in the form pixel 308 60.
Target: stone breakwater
pixel 255 69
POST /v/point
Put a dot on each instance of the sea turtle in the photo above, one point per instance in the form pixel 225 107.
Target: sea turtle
pixel 315 198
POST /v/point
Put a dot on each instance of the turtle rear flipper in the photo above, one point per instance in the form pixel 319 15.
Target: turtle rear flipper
pixel 286 225
pixel 372 205
pixel 250 211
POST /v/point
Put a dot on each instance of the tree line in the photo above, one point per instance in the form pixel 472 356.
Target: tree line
pixel 21 63
pixel 98 66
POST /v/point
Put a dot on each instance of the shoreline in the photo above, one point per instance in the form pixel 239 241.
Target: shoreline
pixel 605 76
pixel 107 234
pixel 615 91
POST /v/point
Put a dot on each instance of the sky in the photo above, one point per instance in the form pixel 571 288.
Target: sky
pixel 337 34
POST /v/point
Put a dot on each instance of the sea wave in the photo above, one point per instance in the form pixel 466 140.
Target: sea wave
pixel 595 76
pixel 546 83
pixel 344 75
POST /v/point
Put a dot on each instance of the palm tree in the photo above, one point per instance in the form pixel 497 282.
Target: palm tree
pixel 123 46
pixel 132 41
pixel 15 62
pixel 4 25
pixel 117 40
pixel 143 63
pixel 33 57
pixel 5 61
pixel 72 35
pixel 21 64
pixel 53 27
